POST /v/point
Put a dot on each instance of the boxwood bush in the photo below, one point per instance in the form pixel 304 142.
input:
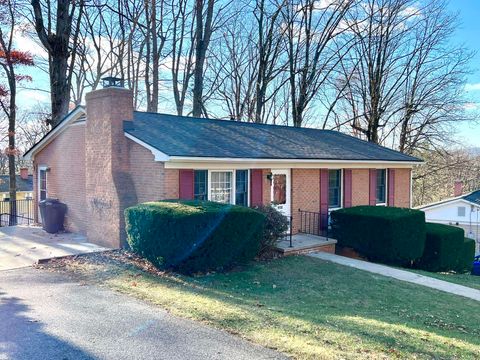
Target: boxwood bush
pixel 194 236
pixel 384 234
pixel 442 247
pixel 466 256
pixel 276 224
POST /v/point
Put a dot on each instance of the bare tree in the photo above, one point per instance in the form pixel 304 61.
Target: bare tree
pixel 203 32
pixel 59 35
pixel 434 180
pixel 248 61
pixel 311 27
pixel 402 81
pixel 10 59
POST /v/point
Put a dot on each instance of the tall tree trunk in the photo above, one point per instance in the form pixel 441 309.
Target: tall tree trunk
pixel 11 157
pixel 60 88
pixel 203 33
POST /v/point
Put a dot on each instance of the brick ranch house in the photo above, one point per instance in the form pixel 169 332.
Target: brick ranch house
pixel 105 156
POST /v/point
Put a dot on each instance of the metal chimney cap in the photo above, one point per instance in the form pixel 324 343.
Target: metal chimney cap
pixel 111 81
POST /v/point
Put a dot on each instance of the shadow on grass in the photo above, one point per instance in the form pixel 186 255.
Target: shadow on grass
pixel 303 305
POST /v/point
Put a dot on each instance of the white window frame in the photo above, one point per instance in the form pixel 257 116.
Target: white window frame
pixel 464 211
pixel 234 183
pixel 386 188
pixel 330 209
pixel 42 168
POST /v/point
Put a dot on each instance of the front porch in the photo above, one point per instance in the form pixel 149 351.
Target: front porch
pixel 305 243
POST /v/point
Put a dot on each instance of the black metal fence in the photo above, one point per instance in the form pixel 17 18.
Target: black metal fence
pixel 18 212
pixel 311 223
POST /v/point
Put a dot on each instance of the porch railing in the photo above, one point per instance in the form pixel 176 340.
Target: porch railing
pixel 311 223
pixel 18 212
pixel 287 235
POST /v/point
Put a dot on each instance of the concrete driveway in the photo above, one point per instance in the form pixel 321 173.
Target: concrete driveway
pixel 22 246
pixel 45 315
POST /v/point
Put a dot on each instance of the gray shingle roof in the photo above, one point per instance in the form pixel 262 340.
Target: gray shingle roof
pixel 198 137
pixel 473 197
pixel 22 184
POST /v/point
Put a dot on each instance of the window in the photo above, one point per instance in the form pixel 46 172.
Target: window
pixel 461 211
pixel 334 189
pixel 42 183
pixel 279 189
pixel 221 186
pixel 241 187
pixel 381 186
pixel 200 185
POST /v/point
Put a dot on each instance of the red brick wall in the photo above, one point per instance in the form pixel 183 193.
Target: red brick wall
pixel 360 187
pixel 109 182
pixel 266 188
pixel 402 187
pixel 65 156
pixel 305 193
pixel 151 180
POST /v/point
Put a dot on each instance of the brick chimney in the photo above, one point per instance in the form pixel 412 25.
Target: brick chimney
pixel 109 187
pixel 458 188
pixel 24 173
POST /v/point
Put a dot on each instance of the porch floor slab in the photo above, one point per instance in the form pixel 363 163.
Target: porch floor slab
pixel 23 246
pixel 303 243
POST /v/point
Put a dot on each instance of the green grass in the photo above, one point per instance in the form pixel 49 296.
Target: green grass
pixel 310 309
pixel 461 279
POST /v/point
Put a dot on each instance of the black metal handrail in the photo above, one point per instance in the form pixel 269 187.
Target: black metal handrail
pixel 17 212
pixel 311 223
pixel 288 233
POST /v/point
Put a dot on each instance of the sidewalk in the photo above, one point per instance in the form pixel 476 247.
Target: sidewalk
pixel 401 275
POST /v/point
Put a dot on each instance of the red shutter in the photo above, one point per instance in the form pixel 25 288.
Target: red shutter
pixel 372 197
pixel 256 187
pixel 186 185
pixel 323 198
pixel 391 187
pixel 347 188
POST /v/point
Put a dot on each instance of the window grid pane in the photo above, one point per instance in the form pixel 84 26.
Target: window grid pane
pixel 221 187
pixel 381 186
pixel 334 188
pixel 200 185
pixel 241 187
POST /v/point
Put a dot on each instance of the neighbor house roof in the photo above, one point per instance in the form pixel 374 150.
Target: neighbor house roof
pixel 22 184
pixel 473 198
pixel 181 136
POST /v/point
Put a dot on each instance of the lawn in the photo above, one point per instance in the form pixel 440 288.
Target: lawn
pixel 306 308
pixel 461 279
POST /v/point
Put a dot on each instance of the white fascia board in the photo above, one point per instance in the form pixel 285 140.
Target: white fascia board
pixel 179 162
pixel 446 203
pixel 74 115
pixel 158 155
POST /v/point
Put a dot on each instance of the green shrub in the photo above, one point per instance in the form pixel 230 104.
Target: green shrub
pixel 384 234
pixel 276 224
pixel 466 256
pixel 194 236
pixel 442 248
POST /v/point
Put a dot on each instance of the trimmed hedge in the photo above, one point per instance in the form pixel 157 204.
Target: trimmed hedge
pixel 466 256
pixel 384 234
pixel 194 236
pixel 442 247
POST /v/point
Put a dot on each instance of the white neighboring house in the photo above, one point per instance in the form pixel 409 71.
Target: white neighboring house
pixel 462 211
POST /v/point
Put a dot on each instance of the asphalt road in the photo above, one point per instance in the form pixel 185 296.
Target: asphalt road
pixel 46 315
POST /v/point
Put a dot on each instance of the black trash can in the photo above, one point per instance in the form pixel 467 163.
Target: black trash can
pixel 53 215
